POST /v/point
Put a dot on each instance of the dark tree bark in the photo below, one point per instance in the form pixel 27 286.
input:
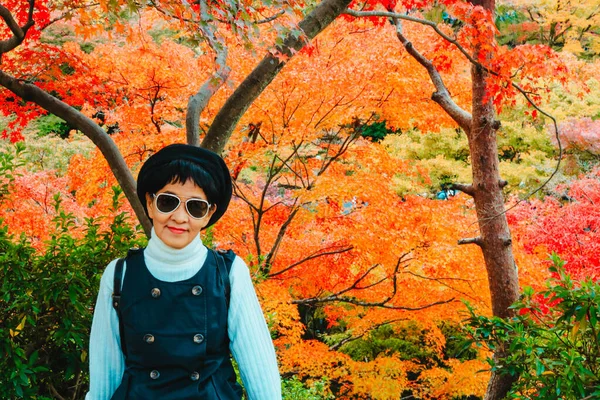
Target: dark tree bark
pixel 496 242
pixel 236 105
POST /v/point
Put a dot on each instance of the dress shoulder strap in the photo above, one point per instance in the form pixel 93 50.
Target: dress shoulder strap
pixel 224 260
pixel 116 295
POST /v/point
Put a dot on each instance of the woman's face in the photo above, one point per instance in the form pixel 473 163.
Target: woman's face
pixel 177 229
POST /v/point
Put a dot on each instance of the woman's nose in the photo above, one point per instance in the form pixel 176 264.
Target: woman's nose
pixel 180 215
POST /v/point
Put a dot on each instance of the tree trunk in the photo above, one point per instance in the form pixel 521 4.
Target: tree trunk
pixel 198 102
pixel 495 239
pixel 236 105
pixel 89 128
pixel 494 235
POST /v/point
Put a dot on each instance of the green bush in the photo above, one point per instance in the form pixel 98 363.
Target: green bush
pixel 552 344
pixel 294 389
pixel 46 305
pixel 53 125
pixel 9 161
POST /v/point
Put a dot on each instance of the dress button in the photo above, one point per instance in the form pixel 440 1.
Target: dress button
pixel 154 374
pixel 148 338
pixel 155 293
pixel 194 376
pixel 197 290
pixel 198 338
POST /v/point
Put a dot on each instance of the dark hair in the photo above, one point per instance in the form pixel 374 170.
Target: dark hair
pixel 177 163
pixel 180 171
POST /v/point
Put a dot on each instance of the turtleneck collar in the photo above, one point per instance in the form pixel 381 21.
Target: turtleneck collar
pixel 163 254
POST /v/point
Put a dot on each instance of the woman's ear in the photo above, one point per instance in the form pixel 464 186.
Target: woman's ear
pixel 149 205
pixel 213 209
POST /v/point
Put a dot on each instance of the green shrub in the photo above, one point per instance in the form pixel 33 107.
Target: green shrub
pixel 46 305
pixel 294 389
pixel 53 125
pixel 9 161
pixel 552 344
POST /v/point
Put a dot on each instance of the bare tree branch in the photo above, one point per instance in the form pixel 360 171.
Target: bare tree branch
pixel 468 189
pixel 198 102
pixel 19 32
pixel 262 75
pixel 269 19
pixel 441 281
pixel 266 266
pixel 476 240
pixel 348 300
pixel 371 328
pixel 338 298
pixel 314 255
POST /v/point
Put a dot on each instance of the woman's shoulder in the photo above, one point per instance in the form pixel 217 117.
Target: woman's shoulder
pixel 107 280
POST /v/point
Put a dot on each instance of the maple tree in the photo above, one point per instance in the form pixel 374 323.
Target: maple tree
pixel 359 227
pixel 492 72
pixel 200 21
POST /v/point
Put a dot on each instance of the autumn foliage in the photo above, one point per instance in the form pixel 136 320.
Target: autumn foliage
pixel 342 232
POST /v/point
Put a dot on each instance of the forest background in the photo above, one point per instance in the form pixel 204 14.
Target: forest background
pixel 346 171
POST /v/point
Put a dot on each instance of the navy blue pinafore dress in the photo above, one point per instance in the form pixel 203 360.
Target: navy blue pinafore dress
pixel 174 335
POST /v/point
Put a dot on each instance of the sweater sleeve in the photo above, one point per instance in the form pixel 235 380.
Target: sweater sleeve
pixel 106 359
pixel 251 343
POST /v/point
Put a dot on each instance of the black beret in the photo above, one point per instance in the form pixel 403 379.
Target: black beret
pixel 211 162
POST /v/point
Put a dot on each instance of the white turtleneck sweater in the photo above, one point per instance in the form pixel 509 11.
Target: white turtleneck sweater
pixel 250 345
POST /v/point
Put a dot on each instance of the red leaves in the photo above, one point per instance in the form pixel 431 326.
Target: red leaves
pixel 582 134
pixel 571 228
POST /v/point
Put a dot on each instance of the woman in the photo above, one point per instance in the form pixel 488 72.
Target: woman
pixel 179 316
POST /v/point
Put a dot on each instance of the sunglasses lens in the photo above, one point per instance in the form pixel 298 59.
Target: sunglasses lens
pixel 197 208
pixel 166 203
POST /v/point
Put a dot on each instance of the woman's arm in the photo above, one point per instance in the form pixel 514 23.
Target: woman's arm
pixel 251 343
pixel 106 359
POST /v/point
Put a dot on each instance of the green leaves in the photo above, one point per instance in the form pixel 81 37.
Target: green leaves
pixel 47 301
pixel 553 342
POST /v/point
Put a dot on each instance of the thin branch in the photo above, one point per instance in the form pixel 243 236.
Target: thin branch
pixel 269 19
pixel 476 240
pixel 355 302
pixel 441 282
pixel 371 328
pixel 467 189
pixel 343 148
pixel 55 392
pixel 336 297
pixel 266 267
pixel 314 255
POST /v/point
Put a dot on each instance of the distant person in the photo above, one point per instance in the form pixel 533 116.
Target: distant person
pixel 182 308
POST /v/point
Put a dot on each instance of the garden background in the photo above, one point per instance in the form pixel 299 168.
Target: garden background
pixel 354 132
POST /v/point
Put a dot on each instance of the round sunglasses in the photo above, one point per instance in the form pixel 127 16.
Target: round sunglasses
pixel 167 203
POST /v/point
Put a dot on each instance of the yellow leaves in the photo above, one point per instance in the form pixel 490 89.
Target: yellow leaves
pixel 459 379
pixel 282 316
pixel 573 46
pixel 382 378
pixel 19 327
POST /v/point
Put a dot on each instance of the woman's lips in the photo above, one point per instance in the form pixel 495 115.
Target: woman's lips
pixel 176 230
